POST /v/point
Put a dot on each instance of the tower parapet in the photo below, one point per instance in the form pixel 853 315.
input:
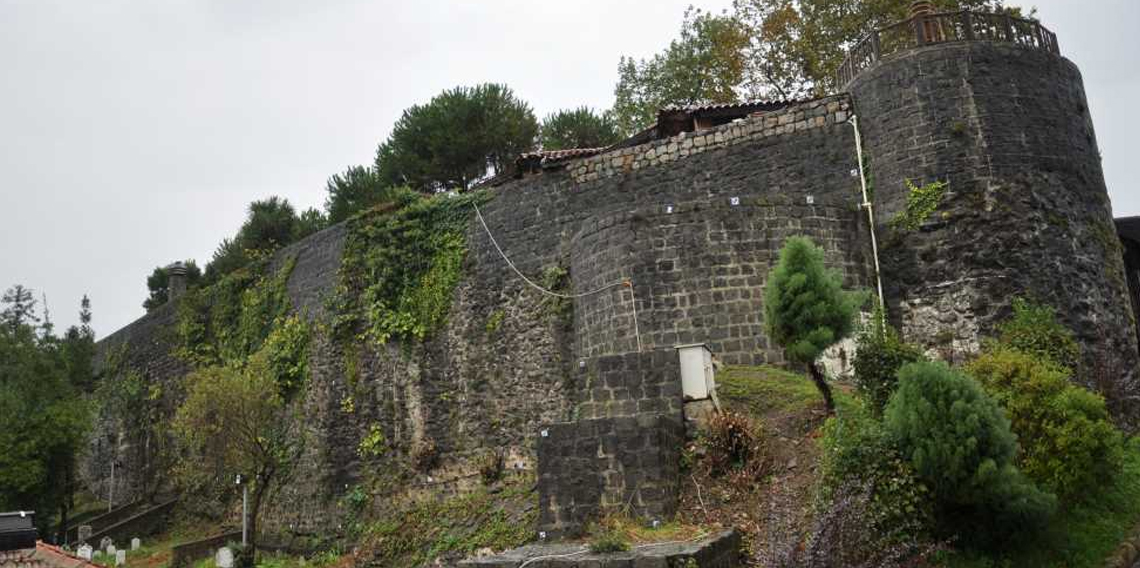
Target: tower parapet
pixel 926 27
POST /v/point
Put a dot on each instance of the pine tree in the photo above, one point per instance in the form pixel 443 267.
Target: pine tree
pixel 806 309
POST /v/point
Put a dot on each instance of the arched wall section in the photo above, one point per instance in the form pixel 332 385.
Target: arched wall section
pixel 699 269
pixel 1025 211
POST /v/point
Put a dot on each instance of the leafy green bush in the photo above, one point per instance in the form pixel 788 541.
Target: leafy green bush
pixel 879 356
pixel 960 445
pixel 858 451
pixel 1067 442
pixel 1034 329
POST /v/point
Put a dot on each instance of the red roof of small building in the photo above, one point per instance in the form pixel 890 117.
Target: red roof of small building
pixel 43 555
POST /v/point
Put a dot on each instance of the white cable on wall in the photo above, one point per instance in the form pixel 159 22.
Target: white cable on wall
pixel 854 122
pixel 623 282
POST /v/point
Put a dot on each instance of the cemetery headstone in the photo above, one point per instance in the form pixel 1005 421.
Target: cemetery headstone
pixel 120 557
pixel 85 551
pixel 224 558
pixel 84 533
pixel 135 543
pixel 111 550
pixel 105 542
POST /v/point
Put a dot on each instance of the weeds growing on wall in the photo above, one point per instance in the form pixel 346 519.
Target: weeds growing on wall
pixel 401 263
pixel 921 202
pixel 228 322
pixel 419 532
pixel 1034 329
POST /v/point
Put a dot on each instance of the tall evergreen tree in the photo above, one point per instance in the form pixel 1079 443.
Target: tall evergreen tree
pixel 269 224
pixel 43 420
pixel 806 309
pixel 578 128
pixel 460 137
pixel 353 191
pixel 21 308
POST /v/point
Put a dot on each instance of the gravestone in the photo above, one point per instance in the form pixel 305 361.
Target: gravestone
pixel 84 533
pixel 105 543
pixel 85 551
pixel 224 558
pixel 111 550
pixel 120 557
pixel 135 543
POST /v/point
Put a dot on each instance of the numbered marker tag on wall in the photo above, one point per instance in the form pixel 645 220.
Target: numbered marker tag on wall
pixel 669 209
pixel 811 200
pixel 734 201
pixel 544 433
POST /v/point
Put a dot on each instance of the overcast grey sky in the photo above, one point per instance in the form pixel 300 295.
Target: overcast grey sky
pixel 134 133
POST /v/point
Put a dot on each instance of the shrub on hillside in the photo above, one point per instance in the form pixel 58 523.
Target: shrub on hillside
pixel 1034 329
pixel 879 356
pixel 857 450
pixel 845 533
pixel 730 441
pixel 1067 441
pixel 961 447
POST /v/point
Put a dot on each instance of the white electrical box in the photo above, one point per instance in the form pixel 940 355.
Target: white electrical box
pixel 698 379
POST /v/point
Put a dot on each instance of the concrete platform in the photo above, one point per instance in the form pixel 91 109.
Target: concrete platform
pixel 721 550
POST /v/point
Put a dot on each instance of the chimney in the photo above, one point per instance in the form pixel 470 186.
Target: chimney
pixel 176 283
pixel 921 8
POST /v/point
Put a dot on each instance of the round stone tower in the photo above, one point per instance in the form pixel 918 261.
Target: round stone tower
pixel 986 105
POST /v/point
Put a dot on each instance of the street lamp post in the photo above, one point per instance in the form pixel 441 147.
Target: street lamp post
pixel 244 510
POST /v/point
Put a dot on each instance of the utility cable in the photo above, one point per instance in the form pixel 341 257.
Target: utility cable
pixel 626 282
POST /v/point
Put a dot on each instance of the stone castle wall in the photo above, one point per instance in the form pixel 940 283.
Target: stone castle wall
pixel 1025 212
pixel 694 223
pixel 736 194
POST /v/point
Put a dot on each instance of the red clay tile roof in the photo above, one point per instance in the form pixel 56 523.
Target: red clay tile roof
pixel 43 555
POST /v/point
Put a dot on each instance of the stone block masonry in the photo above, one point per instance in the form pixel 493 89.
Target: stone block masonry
pixel 799 118
pixel 631 384
pixel 627 464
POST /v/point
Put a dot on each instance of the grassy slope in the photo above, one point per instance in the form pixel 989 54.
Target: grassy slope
pixel 788 411
pixel 418 534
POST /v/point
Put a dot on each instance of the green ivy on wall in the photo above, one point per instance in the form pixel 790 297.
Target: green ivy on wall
pixel 921 202
pixel 227 322
pixel 401 263
pixel 246 317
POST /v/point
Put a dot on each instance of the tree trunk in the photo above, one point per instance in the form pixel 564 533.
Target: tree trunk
pixel 821 384
pixel 64 505
pixel 263 479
